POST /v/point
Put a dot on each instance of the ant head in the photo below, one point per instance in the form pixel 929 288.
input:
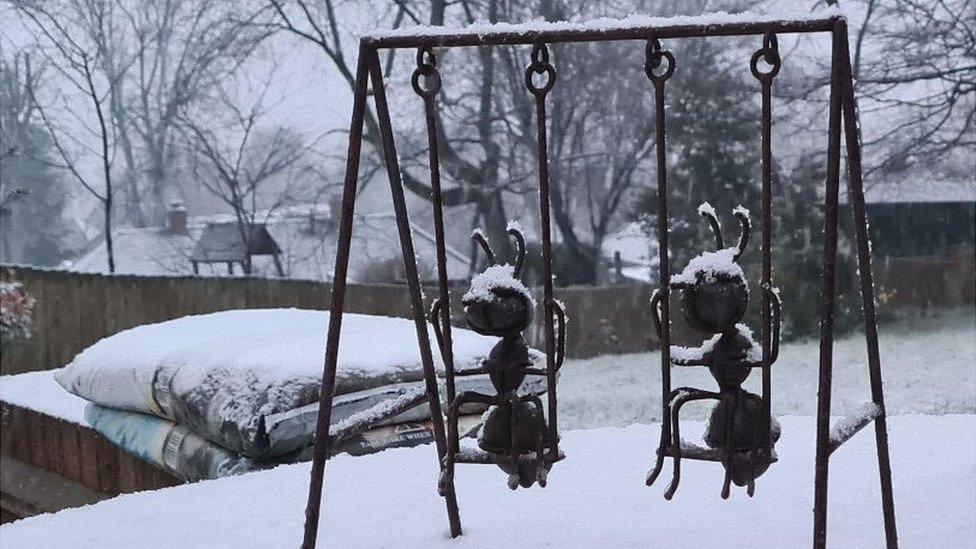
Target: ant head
pixel 497 302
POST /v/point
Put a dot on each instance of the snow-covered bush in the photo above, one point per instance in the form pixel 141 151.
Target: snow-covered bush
pixel 16 312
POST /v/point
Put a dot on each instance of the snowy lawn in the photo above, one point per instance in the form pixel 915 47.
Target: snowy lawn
pixel 929 368
pixel 595 498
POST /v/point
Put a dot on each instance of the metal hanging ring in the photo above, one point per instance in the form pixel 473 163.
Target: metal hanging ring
pixel 540 66
pixel 654 57
pixel 427 70
pixel 770 54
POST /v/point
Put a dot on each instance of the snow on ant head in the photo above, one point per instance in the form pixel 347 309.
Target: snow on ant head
pixel 714 290
pixel 497 303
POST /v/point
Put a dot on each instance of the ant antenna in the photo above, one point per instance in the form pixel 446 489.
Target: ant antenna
pixel 479 237
pixel 743 216
pixel 520 249
pixel 708 212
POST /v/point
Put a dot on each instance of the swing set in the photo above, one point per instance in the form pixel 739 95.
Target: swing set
pixel 520 434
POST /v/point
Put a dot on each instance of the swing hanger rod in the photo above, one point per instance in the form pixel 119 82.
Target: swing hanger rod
pixel 504 34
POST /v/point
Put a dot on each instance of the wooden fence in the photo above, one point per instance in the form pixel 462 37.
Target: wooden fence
pixel 74 310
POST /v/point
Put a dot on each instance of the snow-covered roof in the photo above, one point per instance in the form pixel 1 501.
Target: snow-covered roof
pixel 920 190
pixel 307 253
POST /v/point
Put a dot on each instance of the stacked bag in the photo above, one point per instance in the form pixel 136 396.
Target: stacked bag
pixel 210 395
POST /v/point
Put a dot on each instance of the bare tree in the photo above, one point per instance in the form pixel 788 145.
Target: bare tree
pixel 472 167
pixel 183 50
pixel 73 34
pixel 914 62
pixel 236 158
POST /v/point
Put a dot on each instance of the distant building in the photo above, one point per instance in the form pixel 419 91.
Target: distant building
pixel 919 217
pixel 298 242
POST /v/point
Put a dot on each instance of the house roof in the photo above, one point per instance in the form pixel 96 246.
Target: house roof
pixel 307 250
pixel 221 242
pixel 917 190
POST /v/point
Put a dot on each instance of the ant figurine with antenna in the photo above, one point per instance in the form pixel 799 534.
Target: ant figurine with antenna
pixel 515 435
pixel 714 298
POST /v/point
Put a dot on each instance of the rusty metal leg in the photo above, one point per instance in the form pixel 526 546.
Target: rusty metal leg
pixel 541 66
pixel 413 280
pixel 326 393
pixel 655 57
pixel 856 197
pixel 676 435
pixel 828 295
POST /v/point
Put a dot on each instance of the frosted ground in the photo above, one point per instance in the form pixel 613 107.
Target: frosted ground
pixel 596 497
pixel 929 368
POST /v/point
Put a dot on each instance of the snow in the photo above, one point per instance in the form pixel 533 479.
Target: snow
pixel 276 343
pixel 638 252
pixel 39 391
pixel 595 498
pixel 846 427
pixel 605 24
pixel 514 225
pixel 706 209
pixel 694 354
pixel 912 190
pixel 711 266
pixel 927 366
pixel 741 210
pixel 495 277
pixel 380 410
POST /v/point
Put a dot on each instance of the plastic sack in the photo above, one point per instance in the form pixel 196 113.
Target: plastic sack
pixel 249 380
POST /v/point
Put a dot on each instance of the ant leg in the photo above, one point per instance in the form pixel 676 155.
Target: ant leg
pixel 676 434
pixel 729 424
pixel 515 432
pixel 727 482
pixel 542 470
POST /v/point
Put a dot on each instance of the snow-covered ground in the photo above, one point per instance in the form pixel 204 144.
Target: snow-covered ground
pixel 595 498
pixel 929 367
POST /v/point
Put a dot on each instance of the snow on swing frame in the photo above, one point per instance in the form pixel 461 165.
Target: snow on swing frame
pixel 842 119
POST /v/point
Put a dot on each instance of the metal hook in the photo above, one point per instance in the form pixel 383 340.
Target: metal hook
pixel 426 69
pixel 769 53
pixel 654 55
pixel 540 65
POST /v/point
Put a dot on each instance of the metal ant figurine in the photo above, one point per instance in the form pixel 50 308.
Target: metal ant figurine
pixel 714 296
pixel 515 435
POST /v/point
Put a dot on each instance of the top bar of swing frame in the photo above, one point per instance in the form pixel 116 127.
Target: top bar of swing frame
pixel 482 37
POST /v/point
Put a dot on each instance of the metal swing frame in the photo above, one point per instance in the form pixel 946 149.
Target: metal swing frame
pixel 842 119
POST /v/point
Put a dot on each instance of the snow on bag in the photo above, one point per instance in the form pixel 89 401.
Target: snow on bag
pixel 249 379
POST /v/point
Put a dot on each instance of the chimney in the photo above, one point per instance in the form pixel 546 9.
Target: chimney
pixel 176 218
